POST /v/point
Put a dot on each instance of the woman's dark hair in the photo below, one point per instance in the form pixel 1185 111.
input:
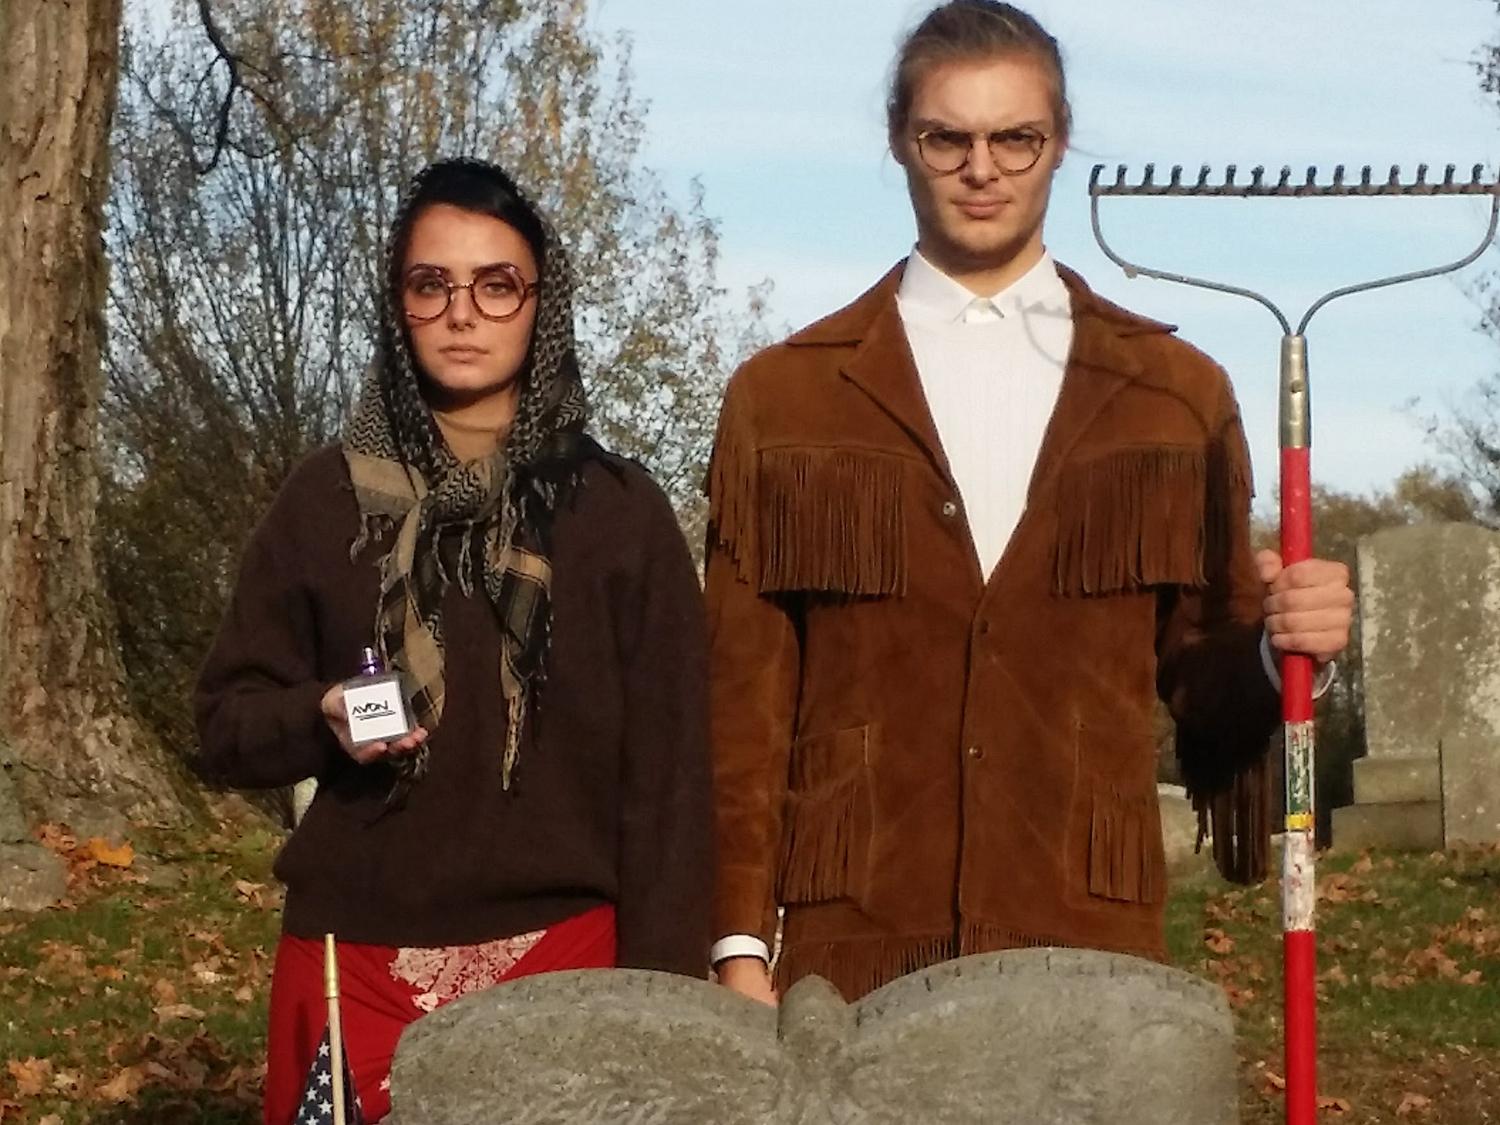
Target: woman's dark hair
pixel 470 185
pixel 968 30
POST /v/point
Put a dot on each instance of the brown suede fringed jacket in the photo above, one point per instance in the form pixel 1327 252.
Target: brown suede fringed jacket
pixel 917 763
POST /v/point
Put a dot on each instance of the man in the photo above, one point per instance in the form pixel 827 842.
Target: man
pixel 963 532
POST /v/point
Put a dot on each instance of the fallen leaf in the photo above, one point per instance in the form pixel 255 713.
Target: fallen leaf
pixel 1411 1103
pixel 1218 942
pixel 101 851
pixel 1274 1080
pixel 245 994
pixel 1363 865
pixel 1337 1105
pixel 67 1081
pixel 168 1012
pixel 31 1075
pixel 124 1086
pixel 1473 977
pixel 1335 974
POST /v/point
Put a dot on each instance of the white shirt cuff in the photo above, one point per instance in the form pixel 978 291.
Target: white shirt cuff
pixel 1327 673
pixel 738 945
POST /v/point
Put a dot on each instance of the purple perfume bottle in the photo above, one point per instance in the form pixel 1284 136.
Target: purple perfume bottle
pixel 375 703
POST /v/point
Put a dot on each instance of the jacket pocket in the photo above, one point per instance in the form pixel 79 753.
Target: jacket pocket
pixel 1126 863
pixel 825 841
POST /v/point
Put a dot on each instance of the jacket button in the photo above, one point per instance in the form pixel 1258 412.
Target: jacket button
pixel 976 752
pixel 950 509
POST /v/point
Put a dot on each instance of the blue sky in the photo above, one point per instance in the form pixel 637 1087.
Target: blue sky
pixel 777 106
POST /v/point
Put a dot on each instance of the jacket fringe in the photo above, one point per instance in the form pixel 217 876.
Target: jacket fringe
pixel 832 521
pixel 732 505
pixel 983 937
pixel 1147 517
pixel 826 828
pixel 818 843
pixel 807 518
pixel 1227 504
pixel 1132 519
pixel 1235 811
pixel 1122 862
pixel 861 965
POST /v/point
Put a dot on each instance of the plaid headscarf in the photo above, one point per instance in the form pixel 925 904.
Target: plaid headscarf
pixel 406 479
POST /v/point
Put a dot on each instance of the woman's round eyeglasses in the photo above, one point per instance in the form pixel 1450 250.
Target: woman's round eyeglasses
pixel 1013 151
pixel 499 292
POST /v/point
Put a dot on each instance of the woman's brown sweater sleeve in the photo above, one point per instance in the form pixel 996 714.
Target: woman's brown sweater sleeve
pixel 666 858
pixel 258 694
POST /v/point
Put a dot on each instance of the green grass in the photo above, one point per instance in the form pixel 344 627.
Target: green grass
pixel 1409 983
pixel 102 997
pixel 1409 962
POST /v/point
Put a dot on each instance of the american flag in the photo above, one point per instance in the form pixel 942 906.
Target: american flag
pixel 316 1107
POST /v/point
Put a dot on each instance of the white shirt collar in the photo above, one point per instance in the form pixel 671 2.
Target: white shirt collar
pixel 938 298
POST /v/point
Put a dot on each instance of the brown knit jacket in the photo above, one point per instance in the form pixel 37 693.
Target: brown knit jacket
pixel 917 763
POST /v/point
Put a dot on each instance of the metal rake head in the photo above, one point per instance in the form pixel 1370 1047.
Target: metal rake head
pixel 1283 186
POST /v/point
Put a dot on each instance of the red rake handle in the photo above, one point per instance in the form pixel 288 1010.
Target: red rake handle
pixel 1298 882
pixel 1296 546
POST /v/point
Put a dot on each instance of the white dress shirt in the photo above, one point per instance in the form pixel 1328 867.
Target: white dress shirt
pixel 991 369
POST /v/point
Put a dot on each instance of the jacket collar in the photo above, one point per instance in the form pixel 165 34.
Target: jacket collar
pixel 1099 366
pixel 850 324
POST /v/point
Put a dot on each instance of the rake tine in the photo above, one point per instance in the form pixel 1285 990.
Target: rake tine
pixel 1286 182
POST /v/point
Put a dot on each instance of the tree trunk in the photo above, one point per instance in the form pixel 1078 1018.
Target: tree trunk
pixel 74 751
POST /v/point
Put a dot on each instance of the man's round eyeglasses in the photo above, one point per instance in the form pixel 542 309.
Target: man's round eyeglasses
pixel 499 293
pixel 1012 151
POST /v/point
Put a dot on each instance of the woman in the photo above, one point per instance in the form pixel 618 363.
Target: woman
pixel 550 810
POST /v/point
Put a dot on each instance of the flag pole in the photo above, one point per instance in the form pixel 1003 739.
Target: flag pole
pixel 335 1025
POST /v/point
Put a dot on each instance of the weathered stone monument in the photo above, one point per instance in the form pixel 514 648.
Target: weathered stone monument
pixel 31 877
pixel 1430 638
pixel 1032 1037
pixel 1179 833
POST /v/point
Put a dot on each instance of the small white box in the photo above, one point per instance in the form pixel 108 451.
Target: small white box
pixel 376 709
